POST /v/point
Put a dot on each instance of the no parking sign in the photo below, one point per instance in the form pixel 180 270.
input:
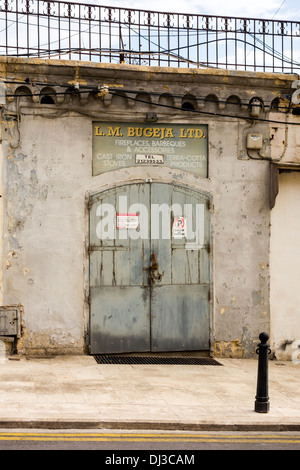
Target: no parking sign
pixel 179 227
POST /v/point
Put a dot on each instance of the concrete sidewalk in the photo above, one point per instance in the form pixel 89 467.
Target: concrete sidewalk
pixel 75 391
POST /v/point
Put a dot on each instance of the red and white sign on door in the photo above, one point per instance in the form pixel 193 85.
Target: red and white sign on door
pixel 127 220
pixel 179 227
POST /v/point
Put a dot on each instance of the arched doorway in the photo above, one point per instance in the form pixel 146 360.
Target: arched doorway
pixel 150 269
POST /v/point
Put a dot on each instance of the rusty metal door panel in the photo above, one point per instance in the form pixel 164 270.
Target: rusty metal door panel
pixel 119 293
pixel 120 319
pixel 180 295
pixel 180 318
pixel 149 287
pixel 161 227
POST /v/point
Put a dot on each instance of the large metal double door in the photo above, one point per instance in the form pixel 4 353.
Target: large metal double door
pixel 149 269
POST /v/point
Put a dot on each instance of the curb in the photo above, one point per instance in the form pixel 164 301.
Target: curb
pixel 143 425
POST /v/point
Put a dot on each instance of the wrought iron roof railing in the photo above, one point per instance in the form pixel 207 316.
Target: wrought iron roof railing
pixel 77 31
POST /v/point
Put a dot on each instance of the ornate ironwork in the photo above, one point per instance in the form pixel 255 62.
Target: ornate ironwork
pixel 79 31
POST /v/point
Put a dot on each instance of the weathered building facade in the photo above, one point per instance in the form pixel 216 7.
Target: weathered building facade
pixel 142 209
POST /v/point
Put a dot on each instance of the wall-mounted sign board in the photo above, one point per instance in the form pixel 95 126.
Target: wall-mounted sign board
pixel 119 145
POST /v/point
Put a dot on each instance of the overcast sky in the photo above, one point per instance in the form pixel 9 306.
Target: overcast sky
pixel 269 9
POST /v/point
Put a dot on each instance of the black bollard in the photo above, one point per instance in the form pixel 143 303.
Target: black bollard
pixel 262 404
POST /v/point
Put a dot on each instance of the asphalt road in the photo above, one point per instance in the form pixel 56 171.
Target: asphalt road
pixel 140 448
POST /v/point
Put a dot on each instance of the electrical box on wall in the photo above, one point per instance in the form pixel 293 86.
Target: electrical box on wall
pixel 10 321
pixel 254 141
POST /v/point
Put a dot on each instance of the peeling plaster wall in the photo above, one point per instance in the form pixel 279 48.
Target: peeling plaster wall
pixel 241 248
pixel 47 177
pixel 285 268
pixel 2 159
pixel 45 231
